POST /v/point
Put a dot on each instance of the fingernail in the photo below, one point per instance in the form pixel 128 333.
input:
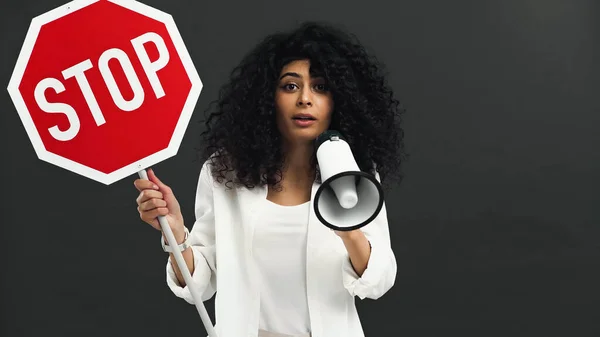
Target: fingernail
pixel 155 187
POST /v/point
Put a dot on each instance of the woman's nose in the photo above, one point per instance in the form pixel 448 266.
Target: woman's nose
pixel 304 99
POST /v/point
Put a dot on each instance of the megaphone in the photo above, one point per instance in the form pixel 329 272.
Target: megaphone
pixel 348 198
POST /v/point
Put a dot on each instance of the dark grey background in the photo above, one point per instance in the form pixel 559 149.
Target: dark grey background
pixel 496 226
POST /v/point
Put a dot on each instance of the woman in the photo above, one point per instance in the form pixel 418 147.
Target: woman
pixel 256 243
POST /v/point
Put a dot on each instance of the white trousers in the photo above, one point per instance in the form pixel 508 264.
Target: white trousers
pixel 263 333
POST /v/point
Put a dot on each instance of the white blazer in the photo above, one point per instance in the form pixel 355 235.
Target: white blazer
pixel 222 237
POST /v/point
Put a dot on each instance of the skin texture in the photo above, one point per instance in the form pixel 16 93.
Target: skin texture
pixel 299 92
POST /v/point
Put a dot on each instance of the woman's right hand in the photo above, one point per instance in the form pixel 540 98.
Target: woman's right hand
pixel 156 199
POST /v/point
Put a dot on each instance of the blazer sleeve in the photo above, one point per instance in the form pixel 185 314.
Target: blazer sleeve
pixel 202 242
pixel 380 274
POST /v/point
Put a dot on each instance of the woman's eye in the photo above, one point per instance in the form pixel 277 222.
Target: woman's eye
pixel 289 86
pixel 321 87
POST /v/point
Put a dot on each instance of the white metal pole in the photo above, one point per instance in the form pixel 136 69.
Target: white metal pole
pixel 184 270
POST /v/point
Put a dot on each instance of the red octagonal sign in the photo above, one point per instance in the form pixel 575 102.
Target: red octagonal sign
pixel 104 88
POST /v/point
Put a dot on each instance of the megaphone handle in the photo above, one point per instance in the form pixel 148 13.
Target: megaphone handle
pixel 164 225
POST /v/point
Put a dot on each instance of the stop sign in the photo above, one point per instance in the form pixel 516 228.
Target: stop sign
pixel 104 88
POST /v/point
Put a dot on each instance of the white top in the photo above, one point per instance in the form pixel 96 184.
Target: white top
pixel 222 240
pixel 280 256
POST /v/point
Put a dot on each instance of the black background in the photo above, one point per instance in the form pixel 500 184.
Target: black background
pixel 495 227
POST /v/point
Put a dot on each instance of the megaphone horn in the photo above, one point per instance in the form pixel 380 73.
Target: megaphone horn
pixel 348 198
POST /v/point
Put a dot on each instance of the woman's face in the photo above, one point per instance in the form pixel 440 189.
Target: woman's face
pixel 303 103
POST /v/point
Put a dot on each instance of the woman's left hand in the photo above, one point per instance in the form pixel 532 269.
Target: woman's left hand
pixel 358 247
pixel 348 234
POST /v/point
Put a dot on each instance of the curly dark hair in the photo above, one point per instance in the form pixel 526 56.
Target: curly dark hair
pixel 241 137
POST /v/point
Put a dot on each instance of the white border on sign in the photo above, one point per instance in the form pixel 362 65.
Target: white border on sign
pixel 23 60
pixel 144 163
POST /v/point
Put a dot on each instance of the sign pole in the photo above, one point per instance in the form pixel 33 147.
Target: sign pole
pixel 164 225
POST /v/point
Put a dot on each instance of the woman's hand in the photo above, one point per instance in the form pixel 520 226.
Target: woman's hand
pixel 358 247
pixel 156 199
pixel 345 235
